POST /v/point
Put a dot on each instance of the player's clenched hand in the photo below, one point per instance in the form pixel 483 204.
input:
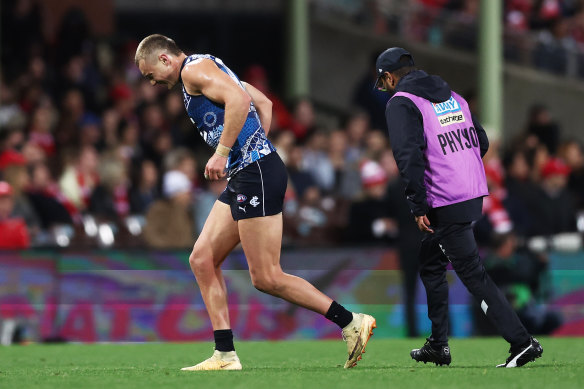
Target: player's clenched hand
pixel 215 169
pixel 424 224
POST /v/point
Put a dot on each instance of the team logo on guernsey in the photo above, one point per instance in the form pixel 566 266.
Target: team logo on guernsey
pixel 241 198
pixel 254 201
pixel 448 112
pixel 210 119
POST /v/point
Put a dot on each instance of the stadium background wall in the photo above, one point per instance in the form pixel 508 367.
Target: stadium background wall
pixel 333 58
pixel 136 296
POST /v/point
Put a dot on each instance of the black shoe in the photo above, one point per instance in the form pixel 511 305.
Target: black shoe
pixel 523 354
pixel 429 354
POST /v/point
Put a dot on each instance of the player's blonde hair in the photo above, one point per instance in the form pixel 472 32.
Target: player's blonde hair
pixel 155 43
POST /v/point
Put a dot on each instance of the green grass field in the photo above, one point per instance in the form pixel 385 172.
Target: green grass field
pixel 294 364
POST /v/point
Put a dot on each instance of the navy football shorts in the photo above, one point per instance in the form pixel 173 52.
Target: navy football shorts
pixel 258 189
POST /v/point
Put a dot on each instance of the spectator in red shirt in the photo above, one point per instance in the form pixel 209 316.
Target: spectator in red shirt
pixel 13 232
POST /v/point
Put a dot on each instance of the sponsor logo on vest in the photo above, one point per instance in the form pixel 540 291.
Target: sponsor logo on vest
pixel 445 107
pixel 448 112
pixel 451 118
pixel 458 140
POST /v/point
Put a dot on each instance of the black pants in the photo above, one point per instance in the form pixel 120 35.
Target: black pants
pixel 409 252
pixel 456 243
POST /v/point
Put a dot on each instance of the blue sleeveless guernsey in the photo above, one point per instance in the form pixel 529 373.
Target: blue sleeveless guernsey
pixel 208 116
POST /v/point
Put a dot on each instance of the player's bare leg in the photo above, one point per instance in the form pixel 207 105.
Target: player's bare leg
pixel 261 239
pixel 218 238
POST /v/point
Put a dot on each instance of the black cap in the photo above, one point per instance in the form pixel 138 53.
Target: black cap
pixel 388 61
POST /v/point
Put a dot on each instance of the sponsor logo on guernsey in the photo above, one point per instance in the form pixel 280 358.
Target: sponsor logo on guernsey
pixel 241 198
pixel 448 112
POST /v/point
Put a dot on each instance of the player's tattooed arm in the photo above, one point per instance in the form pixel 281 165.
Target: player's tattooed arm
pixel 204 77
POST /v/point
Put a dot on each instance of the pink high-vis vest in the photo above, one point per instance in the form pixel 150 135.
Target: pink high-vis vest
pixel 454 168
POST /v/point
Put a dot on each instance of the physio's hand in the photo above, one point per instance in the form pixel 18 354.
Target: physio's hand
pixel 424 224
pixel 215 169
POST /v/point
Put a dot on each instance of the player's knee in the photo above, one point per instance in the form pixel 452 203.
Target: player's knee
pixel 198 258
pixel 267 283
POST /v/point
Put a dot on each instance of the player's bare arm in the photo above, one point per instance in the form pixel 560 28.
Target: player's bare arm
pixel 204 77
pixel 263 105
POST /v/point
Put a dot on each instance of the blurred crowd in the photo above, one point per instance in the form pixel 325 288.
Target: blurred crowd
pixel 545 34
